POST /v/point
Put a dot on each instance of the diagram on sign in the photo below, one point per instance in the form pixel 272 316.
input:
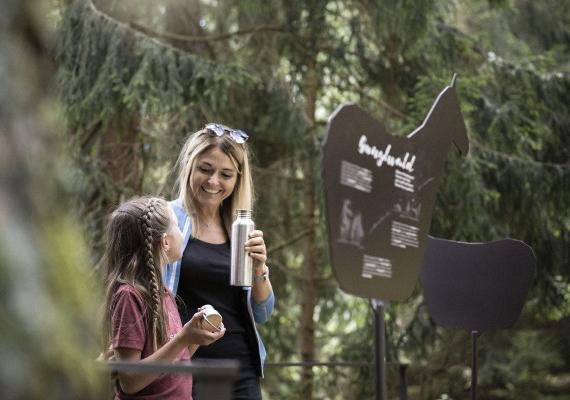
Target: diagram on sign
pixel 408 208
pixel 350 231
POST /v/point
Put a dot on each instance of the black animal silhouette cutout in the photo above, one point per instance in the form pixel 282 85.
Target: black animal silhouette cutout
pixel 380 191
pixel 476 286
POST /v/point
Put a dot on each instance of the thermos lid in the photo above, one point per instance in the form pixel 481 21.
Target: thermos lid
pixel 243 213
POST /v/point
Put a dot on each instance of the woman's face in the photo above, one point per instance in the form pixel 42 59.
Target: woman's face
pixel 213 178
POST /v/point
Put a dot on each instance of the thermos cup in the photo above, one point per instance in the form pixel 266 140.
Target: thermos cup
pixel 241 264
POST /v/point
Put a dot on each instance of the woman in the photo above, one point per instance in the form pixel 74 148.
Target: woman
pixel 214 181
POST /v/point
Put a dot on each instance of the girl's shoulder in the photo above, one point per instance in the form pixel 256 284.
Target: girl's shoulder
pixel 127 291
pixel 126 287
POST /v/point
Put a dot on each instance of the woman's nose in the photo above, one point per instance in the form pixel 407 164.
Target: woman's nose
pixel 213 180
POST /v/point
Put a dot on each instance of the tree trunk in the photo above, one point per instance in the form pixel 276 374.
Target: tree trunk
pixel 310 256
pixel 121 157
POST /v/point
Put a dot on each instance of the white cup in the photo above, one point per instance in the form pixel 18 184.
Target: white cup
pixel 212 319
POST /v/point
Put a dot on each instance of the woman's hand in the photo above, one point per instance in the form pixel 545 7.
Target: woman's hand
pixel 255 247
pixel 197 335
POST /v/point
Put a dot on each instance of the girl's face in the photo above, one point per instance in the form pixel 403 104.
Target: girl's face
pixel 172 242
pixel 213 178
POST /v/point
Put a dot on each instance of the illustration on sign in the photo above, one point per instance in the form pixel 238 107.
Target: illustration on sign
pixel 380 191
pixel 351 226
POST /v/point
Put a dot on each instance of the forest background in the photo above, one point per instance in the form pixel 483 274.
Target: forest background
pixel 96 98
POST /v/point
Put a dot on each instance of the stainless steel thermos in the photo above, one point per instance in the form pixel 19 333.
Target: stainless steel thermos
pixel 241 264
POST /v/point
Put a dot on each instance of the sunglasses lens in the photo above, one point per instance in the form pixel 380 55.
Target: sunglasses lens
pixel 239 136
pixel 216 128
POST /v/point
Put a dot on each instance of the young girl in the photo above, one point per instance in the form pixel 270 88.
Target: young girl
pixel 141 321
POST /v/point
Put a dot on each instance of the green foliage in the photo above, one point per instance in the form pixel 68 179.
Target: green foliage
pixel 108 71
pixel 282 68
pixel 48 340
pixel 523 369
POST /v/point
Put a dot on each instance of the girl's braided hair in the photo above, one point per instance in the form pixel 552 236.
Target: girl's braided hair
pixel 155 281
pixel 134 255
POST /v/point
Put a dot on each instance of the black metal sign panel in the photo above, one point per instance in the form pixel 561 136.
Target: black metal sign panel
pixel 380 192
pixel 476 286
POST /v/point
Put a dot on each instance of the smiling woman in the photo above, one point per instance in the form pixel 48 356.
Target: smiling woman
pixel 214 181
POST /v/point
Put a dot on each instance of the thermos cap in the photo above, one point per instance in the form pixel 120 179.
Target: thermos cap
pixel 243 213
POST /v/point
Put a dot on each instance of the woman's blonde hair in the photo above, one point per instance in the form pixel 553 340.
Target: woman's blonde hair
pixel 242 195
pixel 134 255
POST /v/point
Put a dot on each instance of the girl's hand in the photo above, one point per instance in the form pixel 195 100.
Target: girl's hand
pixel 255 247
pixel 197 335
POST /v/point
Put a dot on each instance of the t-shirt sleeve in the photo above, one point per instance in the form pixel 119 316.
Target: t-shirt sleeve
pixel 128 323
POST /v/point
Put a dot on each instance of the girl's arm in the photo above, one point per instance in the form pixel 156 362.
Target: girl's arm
pixel 190 336
pixel 194 346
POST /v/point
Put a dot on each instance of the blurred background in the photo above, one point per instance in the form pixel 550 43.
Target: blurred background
pixel 97 96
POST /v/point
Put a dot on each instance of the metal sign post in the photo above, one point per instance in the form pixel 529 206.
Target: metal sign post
pixel 474 335
pixel 379 350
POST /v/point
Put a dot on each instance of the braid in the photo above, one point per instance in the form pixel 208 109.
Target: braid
pixel 154 280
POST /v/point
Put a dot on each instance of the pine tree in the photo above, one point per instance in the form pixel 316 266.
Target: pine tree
pixel 146 76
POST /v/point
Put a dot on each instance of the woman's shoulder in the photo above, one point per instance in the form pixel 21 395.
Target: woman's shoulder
pixel 177 205
pixel 184 222
pixel 179 209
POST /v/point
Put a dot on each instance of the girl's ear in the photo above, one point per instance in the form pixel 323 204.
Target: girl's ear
pixel 165 242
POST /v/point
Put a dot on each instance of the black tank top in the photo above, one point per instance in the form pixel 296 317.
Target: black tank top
pixel 205 279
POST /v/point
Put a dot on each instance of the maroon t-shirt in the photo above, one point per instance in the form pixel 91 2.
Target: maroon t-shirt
pixel 132 328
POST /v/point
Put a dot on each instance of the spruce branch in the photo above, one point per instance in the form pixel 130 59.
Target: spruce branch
pixel 295 274
pixel 518 160
pixel 267 171
pixel 209 38
pixel 382 103
pixel 289 242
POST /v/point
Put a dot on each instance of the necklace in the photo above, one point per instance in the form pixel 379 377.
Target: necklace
pixel 207 224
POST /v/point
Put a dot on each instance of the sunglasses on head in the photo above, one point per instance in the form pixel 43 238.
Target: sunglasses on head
pixel 237 135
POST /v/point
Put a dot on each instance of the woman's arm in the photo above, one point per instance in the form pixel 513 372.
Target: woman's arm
pixel 262 288
pixel 190 336
pixel 255 247
pixel 262 311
